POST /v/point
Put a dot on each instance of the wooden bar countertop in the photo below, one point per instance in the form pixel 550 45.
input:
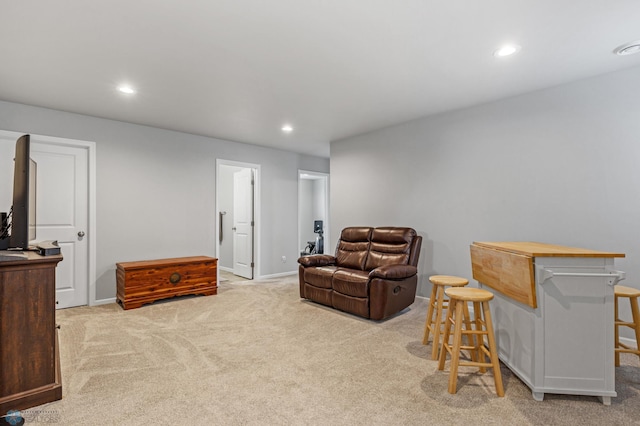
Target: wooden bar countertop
pixel 508 267
pixel 533 249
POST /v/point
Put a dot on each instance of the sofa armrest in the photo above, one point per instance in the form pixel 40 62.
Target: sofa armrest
pixel 393 272
pixel 317 260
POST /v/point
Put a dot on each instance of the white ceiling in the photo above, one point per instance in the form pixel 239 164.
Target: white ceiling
pixel 240 69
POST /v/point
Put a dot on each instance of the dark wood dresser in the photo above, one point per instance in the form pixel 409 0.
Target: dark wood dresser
pixel 150 280
pixel 29 356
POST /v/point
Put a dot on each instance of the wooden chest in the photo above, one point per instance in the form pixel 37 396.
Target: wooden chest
pixel 150 280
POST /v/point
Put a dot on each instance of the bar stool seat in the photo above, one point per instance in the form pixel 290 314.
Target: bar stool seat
pixel 632 294
pixel 437 306
pixel 458 298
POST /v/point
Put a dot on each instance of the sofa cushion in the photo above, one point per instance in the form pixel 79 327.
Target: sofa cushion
pixel 320 276
pixel 389 246
pixel 354 305
pixel 351 282
pixel 353 247
pixel 319 295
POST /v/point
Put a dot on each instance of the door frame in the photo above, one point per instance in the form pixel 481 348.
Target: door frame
pixel 256 209
pixel 306 175
pixel 91 199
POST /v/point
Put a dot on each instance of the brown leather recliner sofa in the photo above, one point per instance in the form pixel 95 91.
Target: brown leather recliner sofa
pixel 373 274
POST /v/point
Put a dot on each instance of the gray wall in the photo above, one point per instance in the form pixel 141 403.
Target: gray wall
pixel 156 189
pixel 558 166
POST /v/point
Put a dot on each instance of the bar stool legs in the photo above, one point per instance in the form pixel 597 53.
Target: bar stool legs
pixel 436 300
pixel 437 306
pixel 458 298
pixel 632 294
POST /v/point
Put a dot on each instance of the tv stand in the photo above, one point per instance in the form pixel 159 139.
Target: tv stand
pixel 11 255
pixel 29 355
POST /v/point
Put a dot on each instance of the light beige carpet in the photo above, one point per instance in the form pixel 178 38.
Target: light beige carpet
pixel 256 354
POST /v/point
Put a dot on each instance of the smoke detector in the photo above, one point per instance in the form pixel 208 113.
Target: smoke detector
pixel 628 48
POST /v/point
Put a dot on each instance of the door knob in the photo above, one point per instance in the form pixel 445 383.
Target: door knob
pixel 81 234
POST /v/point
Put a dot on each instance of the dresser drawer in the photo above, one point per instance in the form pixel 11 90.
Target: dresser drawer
pixel 147 281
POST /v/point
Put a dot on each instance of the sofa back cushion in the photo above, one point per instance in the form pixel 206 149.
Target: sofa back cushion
pixel 353 247
pixel 390 246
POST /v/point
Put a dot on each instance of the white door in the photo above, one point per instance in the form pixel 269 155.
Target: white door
pixel 243 223
pixel 62 210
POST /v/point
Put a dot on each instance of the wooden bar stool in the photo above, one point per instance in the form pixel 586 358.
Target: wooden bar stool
pixel 437 305
pixel 458 298
pixel 632 294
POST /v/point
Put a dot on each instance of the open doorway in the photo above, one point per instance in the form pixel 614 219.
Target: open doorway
pixel 313 207
pixel 237 218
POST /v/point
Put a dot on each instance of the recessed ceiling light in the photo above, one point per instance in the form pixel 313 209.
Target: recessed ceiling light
pixel 628 48
pixel 127 89
pixel 507 50
pixel 287 128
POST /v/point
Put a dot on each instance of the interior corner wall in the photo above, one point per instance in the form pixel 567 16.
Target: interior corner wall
pixel 319 197
pixel 557 166
pixel 156 190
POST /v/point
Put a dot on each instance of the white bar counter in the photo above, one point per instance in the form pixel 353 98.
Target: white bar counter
pixel 552 314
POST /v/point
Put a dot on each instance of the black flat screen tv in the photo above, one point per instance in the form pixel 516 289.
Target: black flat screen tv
pixel 19 225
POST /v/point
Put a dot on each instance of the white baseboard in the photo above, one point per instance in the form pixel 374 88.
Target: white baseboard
pixel 629 342
pixel 103 301
pixel 279 275
pixel 263 277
